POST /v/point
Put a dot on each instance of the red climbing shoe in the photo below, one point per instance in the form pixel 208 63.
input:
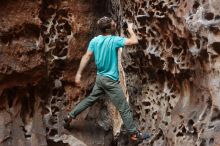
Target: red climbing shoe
pixel 139 137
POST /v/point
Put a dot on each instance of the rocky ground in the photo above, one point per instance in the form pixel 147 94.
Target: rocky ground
pixel 171 78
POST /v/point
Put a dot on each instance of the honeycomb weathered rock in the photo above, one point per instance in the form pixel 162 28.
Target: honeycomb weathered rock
pixel 173 74
pixel 171 78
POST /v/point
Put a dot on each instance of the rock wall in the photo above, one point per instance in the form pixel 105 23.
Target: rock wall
pixel 171 78
pixel 173 74
pixel 41 45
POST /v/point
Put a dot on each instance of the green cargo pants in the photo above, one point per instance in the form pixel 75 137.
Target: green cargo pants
pixel 113 89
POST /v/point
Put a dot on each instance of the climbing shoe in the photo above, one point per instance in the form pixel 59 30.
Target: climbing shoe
pixel 67 121
pixel 139 137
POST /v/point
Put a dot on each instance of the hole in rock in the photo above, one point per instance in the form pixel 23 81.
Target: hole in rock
pixel 203 55
pixel 144 81
pixel 171 62
pixel 53 143
pixel 203 142
pixel 215 114
pixel 208 16
pixel 142 30
pixel 168 43
pixel 217 17
pixel 11 96
pixel 183 130
pixel 165 123
pixel 156 61
pixel 176 40
pixel 5 39
pixel 146 103
pixel 211 141
pixel 53 132
pixel 195 133
pixel 216 47
pixel 190 122
pixel 179 134
pixel 142 19
pixel 147 111
pixel 59 64
pixel 141 12
pixel 174 130
pixel 196 5
pixel 55 109
pixel 198 43
pixel 214 29
pixel 47 40
pixel 168 113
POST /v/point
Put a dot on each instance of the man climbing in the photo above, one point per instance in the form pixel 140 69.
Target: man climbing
pixel 105 50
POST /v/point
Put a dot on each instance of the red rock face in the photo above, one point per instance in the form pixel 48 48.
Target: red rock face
pixel 42 43
pixel 20 51
pixel 172 76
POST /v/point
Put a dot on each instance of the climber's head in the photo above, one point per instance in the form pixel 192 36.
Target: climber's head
pixel 106 25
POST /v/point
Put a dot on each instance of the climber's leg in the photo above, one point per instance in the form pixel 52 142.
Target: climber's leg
pixel 85 103
pixel 114 91
pixel 88 101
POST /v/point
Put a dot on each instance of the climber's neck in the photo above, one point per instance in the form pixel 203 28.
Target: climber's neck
pixel 106 34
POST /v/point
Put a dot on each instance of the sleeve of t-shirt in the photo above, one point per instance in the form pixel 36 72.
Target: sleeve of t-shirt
pixel 91 46
pixel 119 42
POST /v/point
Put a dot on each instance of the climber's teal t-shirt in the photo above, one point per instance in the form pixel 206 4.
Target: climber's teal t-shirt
pixel 105 50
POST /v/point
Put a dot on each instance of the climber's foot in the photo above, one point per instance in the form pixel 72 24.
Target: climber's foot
pixel 139 137
pixel 67 121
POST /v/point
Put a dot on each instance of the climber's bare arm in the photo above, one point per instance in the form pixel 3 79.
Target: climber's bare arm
pixel 132 40
pixel 84 61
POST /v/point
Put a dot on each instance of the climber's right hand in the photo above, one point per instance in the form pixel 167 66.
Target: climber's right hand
pixel 78 79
